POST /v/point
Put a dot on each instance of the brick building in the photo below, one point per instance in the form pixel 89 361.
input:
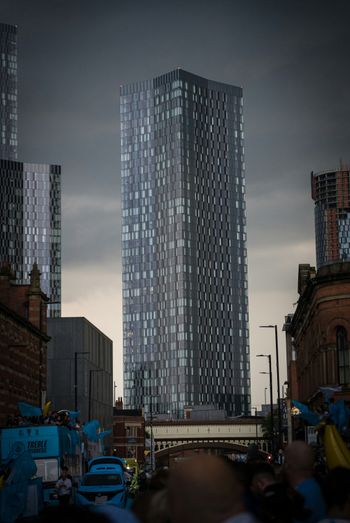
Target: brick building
pixel 128 432
pixel 318 333
pixel 23 339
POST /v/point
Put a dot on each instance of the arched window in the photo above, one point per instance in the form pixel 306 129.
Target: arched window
pixel 343 356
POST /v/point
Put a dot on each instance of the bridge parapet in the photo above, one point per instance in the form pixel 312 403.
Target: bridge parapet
pixel 241 432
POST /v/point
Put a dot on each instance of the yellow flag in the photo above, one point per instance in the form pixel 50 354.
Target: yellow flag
pixel 46 408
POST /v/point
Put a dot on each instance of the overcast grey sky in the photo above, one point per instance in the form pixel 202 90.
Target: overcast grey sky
pixel 290 57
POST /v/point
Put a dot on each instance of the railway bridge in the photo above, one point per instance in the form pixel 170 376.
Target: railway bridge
pixel 175 440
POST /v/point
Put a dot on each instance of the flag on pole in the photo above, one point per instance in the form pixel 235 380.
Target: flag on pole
pixel 28 411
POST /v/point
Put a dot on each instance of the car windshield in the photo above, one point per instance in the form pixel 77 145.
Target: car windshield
pixel 102 479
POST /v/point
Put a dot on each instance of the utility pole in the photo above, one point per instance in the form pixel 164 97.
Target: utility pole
pixel 271 400
pixel 279 412
pixel 151 430
pixel 114 395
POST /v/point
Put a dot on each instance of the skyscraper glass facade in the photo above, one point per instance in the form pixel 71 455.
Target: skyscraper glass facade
pixel 331 192
pixel 8 91
pixel 185 305
pixel 30 194
pixel 30 217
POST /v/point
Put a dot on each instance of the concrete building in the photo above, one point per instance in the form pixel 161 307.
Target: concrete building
pixel 23 343
pixel 80 366
pixel 318 352
pixel 185 304
pixel 331 193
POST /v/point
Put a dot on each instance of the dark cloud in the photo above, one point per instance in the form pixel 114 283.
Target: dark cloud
pixel 94 236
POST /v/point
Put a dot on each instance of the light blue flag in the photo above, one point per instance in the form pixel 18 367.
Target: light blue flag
pixel 105 433
pixel 90 430
pixel 75 438
pixel 13 501
pixel 23 467
pixel 306 414
pixel 339 415
pixel 28 411
pixel 13 495
pixel 101 436
pixel 329 391
pixel 73 414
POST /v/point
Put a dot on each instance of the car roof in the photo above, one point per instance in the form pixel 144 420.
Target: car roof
pixel 105 461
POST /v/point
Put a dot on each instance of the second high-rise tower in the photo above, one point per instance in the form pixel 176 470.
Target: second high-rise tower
pixel 185 305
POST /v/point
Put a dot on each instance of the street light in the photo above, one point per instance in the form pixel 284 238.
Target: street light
pixel 90 388
pixel 271 396
pixel 151 417
pixel 279 413
pixel 265 390
pixel 76 377
pixel 256 423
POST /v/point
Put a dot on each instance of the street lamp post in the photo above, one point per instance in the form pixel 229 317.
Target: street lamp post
pixel 256 422
pixel 76 377
pixel 114 395
pixel 151 434
pixel 271 396
pixel 265 390
pixel 91 371
pixel 279 413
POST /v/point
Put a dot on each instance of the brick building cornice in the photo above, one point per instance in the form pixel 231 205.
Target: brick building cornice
pixel 25 323
pixel 334 273
pixel 316 354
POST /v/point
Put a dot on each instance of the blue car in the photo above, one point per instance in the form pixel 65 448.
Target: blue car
pixel 104 483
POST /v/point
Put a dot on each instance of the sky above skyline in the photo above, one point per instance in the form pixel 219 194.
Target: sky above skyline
pixel 292 60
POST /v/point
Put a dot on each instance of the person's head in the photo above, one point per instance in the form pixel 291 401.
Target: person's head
pixel 298 462
pixel 337 493
pixel 262 476
pixel 64 472
pixel 204 489
pixel 253 454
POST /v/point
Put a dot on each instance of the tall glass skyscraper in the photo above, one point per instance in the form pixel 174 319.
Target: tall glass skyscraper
pixel 185 305
pixel 8 90
pixel 30 194
pixel 331 193
pixel 30 218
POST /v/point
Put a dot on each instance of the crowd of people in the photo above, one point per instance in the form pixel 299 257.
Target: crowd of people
pixel 63 417
pixel 212 489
